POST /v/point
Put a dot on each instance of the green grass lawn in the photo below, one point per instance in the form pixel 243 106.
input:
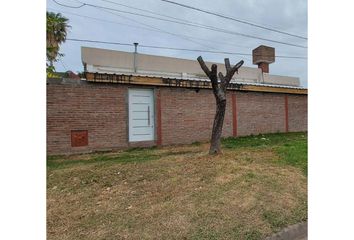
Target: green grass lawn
pixel 255 188
pixel 291 147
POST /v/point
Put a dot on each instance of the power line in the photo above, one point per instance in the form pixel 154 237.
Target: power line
pixel 101 20
pixel 185 37
pixel 145 28
pixel 194 25
pixel 158 14
pixel 198 25
pixel 236 20
pixel 155 28
pixel 82 4
pixel 144 10
pixel 167 16
pixel 95 41
pixel 160 30
pixel 179 49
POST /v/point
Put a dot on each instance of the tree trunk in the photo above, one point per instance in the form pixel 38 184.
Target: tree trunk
pixel 215 144
pixel 219 90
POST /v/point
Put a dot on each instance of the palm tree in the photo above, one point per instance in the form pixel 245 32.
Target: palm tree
pixel 57 27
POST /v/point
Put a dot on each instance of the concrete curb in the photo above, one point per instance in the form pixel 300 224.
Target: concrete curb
pixel 293 232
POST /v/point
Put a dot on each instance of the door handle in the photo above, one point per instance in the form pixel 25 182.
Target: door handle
pixel 148 115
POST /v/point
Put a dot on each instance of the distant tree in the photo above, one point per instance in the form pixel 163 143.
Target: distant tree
pixel 219 90
pixel 57 27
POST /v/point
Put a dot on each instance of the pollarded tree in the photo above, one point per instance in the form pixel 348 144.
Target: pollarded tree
pixel 57 27
pixel 219 90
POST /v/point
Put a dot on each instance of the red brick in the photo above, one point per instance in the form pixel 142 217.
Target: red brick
pixel 186 115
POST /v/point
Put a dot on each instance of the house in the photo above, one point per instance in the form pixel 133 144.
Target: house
pixel 132 99
pixel 97 60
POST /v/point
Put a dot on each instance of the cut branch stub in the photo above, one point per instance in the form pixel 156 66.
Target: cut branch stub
pixel 233 70
pixel 212 74
pixel 227 64
pixel 204 66
pixel 221 76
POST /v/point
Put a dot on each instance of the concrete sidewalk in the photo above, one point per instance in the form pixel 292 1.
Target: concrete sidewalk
pixel 294 232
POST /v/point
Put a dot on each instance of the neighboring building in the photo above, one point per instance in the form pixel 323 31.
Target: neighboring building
pixel 133 99
pixel 136 64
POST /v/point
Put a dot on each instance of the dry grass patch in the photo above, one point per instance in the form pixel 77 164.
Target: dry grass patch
pixel 174 193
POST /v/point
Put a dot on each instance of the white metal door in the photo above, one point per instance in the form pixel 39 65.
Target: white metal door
pixel 141 115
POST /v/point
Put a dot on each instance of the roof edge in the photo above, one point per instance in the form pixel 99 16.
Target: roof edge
pixel 185 83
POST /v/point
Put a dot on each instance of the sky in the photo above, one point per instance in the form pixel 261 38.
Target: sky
pixel 111 26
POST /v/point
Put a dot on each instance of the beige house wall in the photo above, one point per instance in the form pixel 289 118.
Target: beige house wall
pixel 108 61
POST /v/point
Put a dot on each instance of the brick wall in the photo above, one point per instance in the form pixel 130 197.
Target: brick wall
pixel 186 115
pixel 260 113
pixel 297 105
pixel 100 109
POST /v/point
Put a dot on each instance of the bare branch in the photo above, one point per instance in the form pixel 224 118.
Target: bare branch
pixel 236 67
pixel 227 64
pixel 232 71
pixel 212 74
pixel 204 66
